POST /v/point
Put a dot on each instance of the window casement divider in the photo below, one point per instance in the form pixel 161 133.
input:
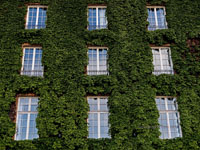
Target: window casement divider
pixel 38 9
pixel 33 63
pixel 97 61
pixel 156 19
pixel 98 104
pixel 161 58
pixel 168 123
pixel 97 19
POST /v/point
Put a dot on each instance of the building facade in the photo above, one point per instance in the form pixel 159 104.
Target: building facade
pixel 99 74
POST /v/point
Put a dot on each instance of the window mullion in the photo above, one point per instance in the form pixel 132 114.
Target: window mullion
pixel 97 20
pixel 37 16
pixel 156 19
pixel 99 130
pixel 98 61
pixel 33 63
pixel 23 61
pixel 168 123
pixel 161 63
pixel 27 18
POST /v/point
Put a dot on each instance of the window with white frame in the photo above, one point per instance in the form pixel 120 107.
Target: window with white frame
pixel 156 18
pixel 26 118
pixel 36 17
pixel 162 60
pixel 169 119
pixel 98 117
pixel 97 17
pixel 31 62
pixel 97 61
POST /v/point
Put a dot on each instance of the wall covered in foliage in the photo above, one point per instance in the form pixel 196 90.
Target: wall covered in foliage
pixel 131 86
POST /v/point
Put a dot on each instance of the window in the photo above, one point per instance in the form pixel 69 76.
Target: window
pixel 26 118
pixel 97 17
pixel 162 61
pixel 156 18
pixel 169 117
pixel 97 61
pixel 36 17
pixel 98 117
pixel 31 63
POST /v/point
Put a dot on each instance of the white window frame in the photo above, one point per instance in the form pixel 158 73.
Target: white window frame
pixel 167 114
pixel 98 71
pixel 26 112
pixel 97 13
pixel 27 15
pixel 33 63
pixel 156 18
pixel 98 113
pixel 161 63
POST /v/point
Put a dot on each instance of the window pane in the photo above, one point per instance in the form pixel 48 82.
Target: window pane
pixel 32 127
pixel 171 103
pixel 92 18
pixel 93 125
pixel 161 18
pixel 103 60
pixel 93 103
pixel 103 104
pixel 163 126
pixel 34 104
pixel 102 18
pixel 32 18
pixel 160 102
pixel 92 67
pixel 151 19
pixel 21 127
pixel 104 125
pixel 23 104
pixel 42 18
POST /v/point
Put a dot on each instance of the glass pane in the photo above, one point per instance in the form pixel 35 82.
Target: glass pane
pixel 28 59
pixel 32 127
pixel 103 61
pixel 174 124
pixel 156 60
pixel 163 125
pixel 92 18
pixel 21 127
pixel 23 104
pixel 160 102
pixel 103 104
pixel 34 104
pixel 171 103
pixel 32 18
pixel 161 18
pixel 93 125
pixel 92 66
pixel 102 22
pixel 104 125
pixel 151 19
pixel 41 18
pixel 93 103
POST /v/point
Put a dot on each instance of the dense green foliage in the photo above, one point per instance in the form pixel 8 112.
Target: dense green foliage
pixel 130 85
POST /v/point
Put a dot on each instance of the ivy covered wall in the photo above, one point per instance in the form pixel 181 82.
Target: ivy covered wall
pixel 131 86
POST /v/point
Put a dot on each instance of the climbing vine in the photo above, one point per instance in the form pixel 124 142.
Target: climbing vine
pixel 131 86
